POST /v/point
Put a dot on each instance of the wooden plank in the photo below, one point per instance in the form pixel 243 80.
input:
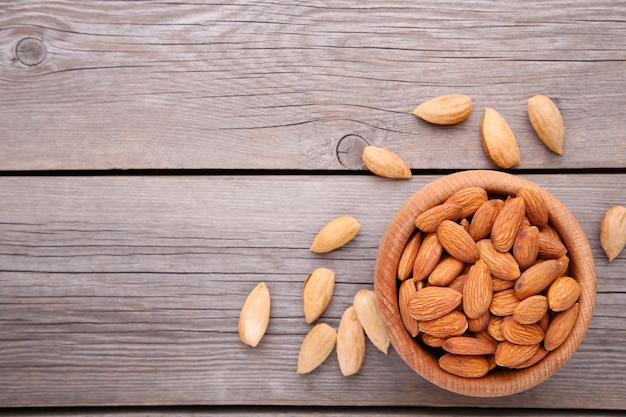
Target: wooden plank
pixel 127 290
pixel 277 85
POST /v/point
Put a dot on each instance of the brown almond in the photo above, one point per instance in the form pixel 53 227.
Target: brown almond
pixel 547 122
pixel 484 335
pixel 483 219
pixel 531 309
pixel 407 289
pixel 479 324
pixel 350 343
pixel 464 366
pixel 430 220
pixel 428 257
pixel 526 247
pixel 538 356
pixel 457 242
pixel 535 204
pixel 407 259
pixel 521 334
pixel 537 278
pixel 544 322
pixel 433 302
pixel 503 303
pixel 560 327
pixel 465 345
pixel 563 293
pixel 317 292
pixel 511 355
pixel 613 231
pixel 432 341
pixel 470 198
pixel 366 308
pixel 255 315
pixel 507 224
pixel 459 283
pixel 335 234
pixel 446 271
pixel 477 291
pixel 494 328
pixel 316 347
pixel 502 265
pixel 385 163
pixel 452 324
pixel 498 140
pixel 445 110
pixel 550 247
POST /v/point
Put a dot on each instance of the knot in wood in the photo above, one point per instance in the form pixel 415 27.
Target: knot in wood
pixel 30 51
pixel 350 151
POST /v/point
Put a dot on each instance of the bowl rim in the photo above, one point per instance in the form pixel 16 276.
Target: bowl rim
pixel 399 230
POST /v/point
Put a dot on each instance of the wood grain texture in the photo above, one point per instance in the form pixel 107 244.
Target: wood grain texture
pixel 127 290
pixel 276 85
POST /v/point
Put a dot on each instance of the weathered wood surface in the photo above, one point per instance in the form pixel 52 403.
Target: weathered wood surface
pixel 126 290
pixel 276 85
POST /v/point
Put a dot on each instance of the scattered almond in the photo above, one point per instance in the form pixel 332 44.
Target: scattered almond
pixel 498 140
pixel 547 122
pixel 613 231
pixel 445 110
pixel 317 292
pixel 366 309
pixel 350 343
pixel 385 163
pixel 335 234
pixel 316 347
pixel 255 315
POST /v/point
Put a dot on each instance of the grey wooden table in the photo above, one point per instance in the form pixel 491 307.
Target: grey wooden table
pixel 159 159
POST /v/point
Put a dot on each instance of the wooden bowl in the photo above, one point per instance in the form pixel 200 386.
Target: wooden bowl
pixel 499 382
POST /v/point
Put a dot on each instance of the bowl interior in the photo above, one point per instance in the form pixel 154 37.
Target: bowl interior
pixel 500 382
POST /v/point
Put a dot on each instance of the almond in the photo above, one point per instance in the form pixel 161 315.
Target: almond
pixel 494 328
pixel 537 278
pixel 407 259
pixel 459 283
pixel 452 324
pixel 465 345
pixel 446 271
pixel 433 302
pixel 511 355
pixel 531 309
pixel 432 341
pixel 479 324
pixel 477 291
pixel 317 292
pixel 350 343
pixel 526 247
pixel 503 303
pixel 335 234
pixel 385 163
pixel 483 219
pixel 507 224
pixel 502 265
pixel 457 242
pixel 498 140
pixel 521 334
pixel 550 247
pixel 613 231
pixel 560 327
pixel 316 347
pixel 536 209
pixel 547 122
pixel 471 199
pixel 498 284
pixel 563 293
pixel 445 110
pixel 539 355
pixel 366 309
pixel 430 220
pixel 428 257
pixel 464 366
pixel 407 289
pixel 255 315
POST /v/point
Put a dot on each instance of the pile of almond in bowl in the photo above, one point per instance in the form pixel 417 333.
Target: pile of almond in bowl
pixel 484 282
